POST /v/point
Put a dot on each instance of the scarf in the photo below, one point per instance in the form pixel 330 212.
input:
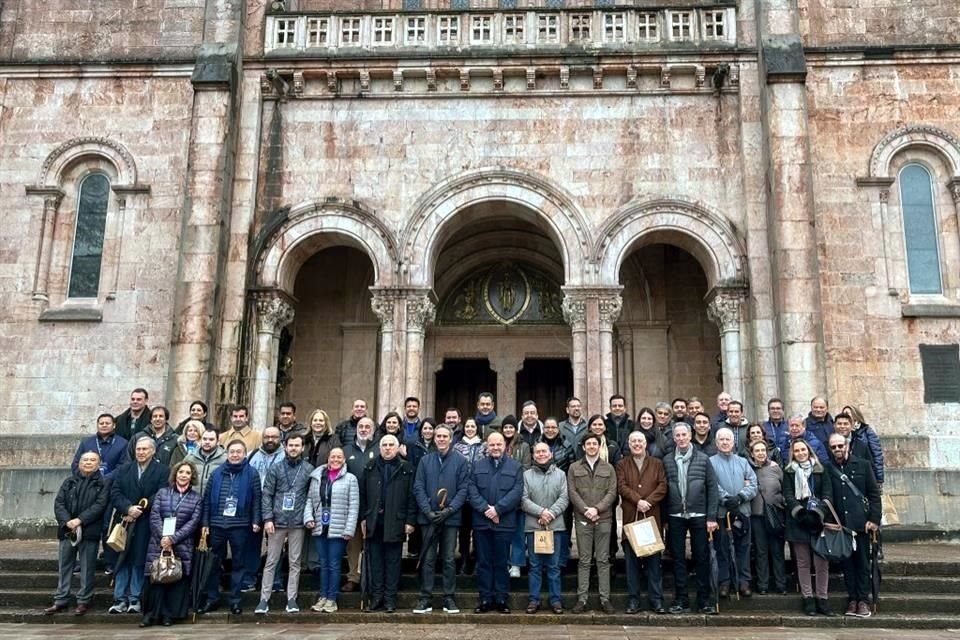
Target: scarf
pixel 801 478
pixel 604 451
pixel 241 483
pixel 471 441
pixel 484 420
pixel 545 467
pixel 683 464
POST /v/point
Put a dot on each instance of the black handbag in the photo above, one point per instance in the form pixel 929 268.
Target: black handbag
pixel 774 518
pixel 835 542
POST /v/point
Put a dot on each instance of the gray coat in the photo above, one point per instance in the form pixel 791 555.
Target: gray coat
pixel 544 491
pixel 344 503
pixel 770 481
pixel 205 468
pixel 735 477
pixel 279 479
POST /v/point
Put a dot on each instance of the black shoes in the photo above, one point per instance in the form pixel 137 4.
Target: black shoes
pixel 657 607
pixel 678 608
pixel 823 608
pixel 209 607
pixel 235 609
pixel 708 610
pixel 809 606
pixel 502 607
pixel 632 607
pixel 484 607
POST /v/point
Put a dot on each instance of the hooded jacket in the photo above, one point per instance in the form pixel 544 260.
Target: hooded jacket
pixel 867 435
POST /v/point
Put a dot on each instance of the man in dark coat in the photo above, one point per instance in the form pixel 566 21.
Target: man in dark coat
pixel 691 505
pixel 109 447
pixel 136 417
pixel 79 508
pixel 163 436
pixel 388 511
pixel 857 501
pixel 619 424
pixel 496 488
pixel 819 422
pixel 139 480
pixel 443 472
pixel 358 453
pixel 347 429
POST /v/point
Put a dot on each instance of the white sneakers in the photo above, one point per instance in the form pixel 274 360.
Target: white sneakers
pixel 514 571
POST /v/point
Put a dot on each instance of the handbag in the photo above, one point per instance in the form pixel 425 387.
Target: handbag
pixel 166 569
pixel 117 540
pixel 543 541
pixel 644 536
pixel 774 518
pixel 835 542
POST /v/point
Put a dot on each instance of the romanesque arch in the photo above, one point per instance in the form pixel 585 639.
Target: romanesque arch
pixel 704 233
pixel 938 140
pixel 64 156
pixel 430 222
pixel 315 225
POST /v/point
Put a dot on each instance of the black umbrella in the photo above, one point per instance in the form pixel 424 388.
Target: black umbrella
pixel 203 563
pixel 876 578
pixel 733 574
pixel 714 573
pixel 131 527
pixel 364 577
pixel 431 531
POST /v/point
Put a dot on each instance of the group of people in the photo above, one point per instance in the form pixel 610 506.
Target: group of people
pixel 493 488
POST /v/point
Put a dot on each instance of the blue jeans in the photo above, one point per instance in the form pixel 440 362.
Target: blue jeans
pixel 329 557
pixel 128 580
pixel 518 552
pixel 238 538
pixel 493 578
pixel 552 564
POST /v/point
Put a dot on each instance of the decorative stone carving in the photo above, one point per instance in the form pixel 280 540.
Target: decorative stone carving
pixel 364 81
pixel 909 136
pixel 464 79
pixel 564 77
pixel 273 313
pixel 332 81
pixel 734 75
pixel 420 312
pixel 701 75
pixel 397 80
pixel 724 310
pixel 498 79
pixel 884 195
pixel 431 80
pixel 665 77
pixel 298 83
pixel 955 190
pixel 383 306
pixel 598 77
pixel 575 311
pixel 631 77
pixel 531 78
pixel 610 307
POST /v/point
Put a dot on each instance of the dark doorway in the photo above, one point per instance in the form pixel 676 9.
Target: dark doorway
pixel 548 382
pixel 460 382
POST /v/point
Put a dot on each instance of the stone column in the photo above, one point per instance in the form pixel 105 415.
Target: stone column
pixel 274 312
pixel 51 202
pixel 723 309
pixel 626 364
pixel 420 312
pixel 385 308
pixel 575 314
pixel 609 306
pixel 507 365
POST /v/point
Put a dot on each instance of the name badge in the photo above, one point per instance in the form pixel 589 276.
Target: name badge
pixel 289 499
pixel 230 507
pixel 103 469
pixel 325 517
pixel 169 526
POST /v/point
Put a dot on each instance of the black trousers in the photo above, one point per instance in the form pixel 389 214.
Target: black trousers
pixel 384 571
pixel 677 537
pixel 768 550
pixel 856 572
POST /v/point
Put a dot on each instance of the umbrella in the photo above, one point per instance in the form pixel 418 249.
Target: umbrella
pixel 430 532
pixel 875 567
pixel 203 563
pixel 126 548
pixel 364 577
pixel 733 574
pixel 714 573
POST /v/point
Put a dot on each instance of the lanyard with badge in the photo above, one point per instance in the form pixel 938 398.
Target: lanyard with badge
pixel 290 497
pixel 103 464
pixel 170 522
pixel 230 504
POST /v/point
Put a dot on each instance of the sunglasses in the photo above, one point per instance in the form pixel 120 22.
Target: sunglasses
pixel 835 447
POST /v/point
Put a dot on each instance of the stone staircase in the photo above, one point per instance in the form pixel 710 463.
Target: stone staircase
pixel 920 590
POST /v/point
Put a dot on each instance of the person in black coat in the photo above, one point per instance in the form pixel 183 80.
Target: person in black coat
pixel 859 507
pixel 137 416
pixel 79 508
pixel 388 511
pixel 134 482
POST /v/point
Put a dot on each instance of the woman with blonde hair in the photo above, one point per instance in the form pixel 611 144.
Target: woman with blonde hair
pixel 321 439
pixel 188 442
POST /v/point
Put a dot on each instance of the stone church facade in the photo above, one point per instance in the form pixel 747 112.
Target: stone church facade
pixel 321 201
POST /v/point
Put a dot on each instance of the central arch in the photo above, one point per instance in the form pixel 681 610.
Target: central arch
pixel 542 202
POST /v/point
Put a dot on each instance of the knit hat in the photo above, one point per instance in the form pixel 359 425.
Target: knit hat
pixel 508 420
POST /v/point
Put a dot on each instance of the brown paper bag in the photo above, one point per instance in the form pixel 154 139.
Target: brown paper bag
pixel 117 540
pixel 890 515
pixel 543 542
pixel 644 536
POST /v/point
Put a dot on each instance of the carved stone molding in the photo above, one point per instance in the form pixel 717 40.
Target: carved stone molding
pixel 383 305
pixel 610 307
pixel 723 308
pixel 420 311
pixel 274 311
pixel 575 311
pixel 955 190
pixel 945 143
pixel 65 154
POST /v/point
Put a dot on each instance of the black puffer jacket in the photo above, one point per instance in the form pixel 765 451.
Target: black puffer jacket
pixel 702 493
pixel 85 498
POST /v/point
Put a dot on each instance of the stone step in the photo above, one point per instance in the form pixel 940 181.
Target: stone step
pixel 892 603
pixel 725 619
pixel 411 582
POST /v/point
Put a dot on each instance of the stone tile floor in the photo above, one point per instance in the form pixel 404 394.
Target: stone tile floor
pixel 443 632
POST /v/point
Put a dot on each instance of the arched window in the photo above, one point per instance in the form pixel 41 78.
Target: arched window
pixel 920 230
pixel 94 195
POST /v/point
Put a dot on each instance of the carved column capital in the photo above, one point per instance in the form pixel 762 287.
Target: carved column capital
pixel 954 185
pixel 625 337
pixel 383 305
pixel 274 312
pixel 420 311
pixel 884 195
pixel 723 308
pixel 610 307
pixel 575 311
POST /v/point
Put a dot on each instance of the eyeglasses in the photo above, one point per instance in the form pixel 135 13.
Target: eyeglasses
pixel 835 447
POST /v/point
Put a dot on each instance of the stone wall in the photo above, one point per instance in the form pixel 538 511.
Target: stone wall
pixel 90 30
pixel 879 22
pixel 872 349
pixel 59 375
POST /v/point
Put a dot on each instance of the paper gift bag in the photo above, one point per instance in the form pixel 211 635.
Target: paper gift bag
pixel 543 542
pixel 644 536
pixel 117 540
pixel 890 515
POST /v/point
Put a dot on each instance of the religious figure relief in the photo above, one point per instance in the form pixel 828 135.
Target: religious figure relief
pixel 507 296
pixel 504 294
pixel 465 304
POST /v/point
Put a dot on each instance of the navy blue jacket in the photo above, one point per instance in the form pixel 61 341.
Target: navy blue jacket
pixel 450 472
pixel 113 453
pixel 500 487
pixel 213 506
pixel 866 435
pixel 775 429
pixel 820 428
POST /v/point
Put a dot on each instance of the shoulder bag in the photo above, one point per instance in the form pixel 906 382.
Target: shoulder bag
pixel 835 542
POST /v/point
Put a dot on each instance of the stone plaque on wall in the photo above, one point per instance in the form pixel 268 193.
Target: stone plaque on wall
pixel 941 372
